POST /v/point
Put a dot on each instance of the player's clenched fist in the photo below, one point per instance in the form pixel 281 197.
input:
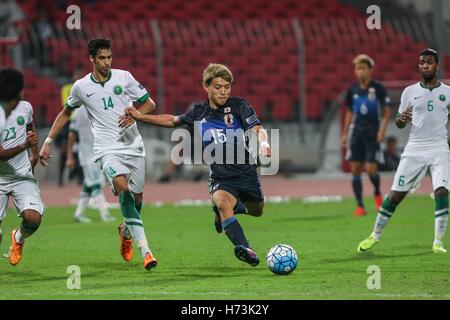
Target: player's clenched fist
pixel 406 116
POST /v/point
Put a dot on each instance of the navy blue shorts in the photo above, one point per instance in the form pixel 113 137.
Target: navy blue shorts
pixel 363 149
pixel 247 188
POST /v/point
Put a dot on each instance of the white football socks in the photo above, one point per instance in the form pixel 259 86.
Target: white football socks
pixel 440 226
pixel 82 204
pixel 380 223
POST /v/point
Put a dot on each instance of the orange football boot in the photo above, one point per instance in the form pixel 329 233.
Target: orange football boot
pixel 15 250
pixel 126 245
pixel 378 201
pixel 359 211
pixel 149 261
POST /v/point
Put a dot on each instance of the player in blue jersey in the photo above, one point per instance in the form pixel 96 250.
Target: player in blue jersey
pixel 234 185
pixel 368 111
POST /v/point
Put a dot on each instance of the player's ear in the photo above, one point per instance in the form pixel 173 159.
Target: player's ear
pixel 91 58
pixel 206 87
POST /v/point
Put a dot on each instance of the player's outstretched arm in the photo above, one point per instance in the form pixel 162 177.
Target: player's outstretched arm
pixel 30 141
pixel 61 119
pixel 34 158
pixel 160 120
pixel 147 107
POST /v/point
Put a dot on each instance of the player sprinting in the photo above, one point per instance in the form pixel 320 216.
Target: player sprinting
pixel 234 188
pixel 16 167
pixel 364 129
pixel 105 93
pixel 425 106
pixel 93 178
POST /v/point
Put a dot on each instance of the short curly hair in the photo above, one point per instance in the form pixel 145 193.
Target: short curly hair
pixel 11 84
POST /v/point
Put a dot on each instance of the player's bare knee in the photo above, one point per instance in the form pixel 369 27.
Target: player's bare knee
pixel 138 197
pixel 31 217
pixel 441 192
pixel 396 197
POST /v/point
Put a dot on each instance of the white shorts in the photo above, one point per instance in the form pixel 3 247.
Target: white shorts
pixel 413 168
pixel 92 174
pixel 132 167
pixel 25 195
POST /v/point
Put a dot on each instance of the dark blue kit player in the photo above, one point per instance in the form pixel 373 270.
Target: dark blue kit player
pixel 222 121
pixel 364 129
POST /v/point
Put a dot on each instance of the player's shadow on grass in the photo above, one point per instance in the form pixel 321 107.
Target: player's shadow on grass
pixel 367 256
pixel 311 218
pixel 19 278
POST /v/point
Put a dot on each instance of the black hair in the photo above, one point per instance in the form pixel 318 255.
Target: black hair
pixel 11 84
pixel 97 44
pixel 430 52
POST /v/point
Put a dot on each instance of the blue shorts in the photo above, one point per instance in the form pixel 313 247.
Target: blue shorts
pixel 363 149
pixel 247 188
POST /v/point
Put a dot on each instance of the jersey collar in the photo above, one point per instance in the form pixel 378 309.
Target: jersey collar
pixel 101 83
pixel 431 89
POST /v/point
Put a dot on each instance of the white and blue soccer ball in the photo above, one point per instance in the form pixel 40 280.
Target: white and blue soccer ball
pixel 282 259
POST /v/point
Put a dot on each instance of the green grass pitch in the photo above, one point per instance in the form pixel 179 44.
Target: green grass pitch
pixel 197 263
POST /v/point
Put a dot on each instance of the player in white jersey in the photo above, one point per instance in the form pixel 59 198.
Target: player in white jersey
pixel 424 105
pixel 16 168
pixel 105 93
pixel 93 178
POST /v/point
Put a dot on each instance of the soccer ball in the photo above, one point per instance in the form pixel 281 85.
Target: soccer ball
pixel 282 259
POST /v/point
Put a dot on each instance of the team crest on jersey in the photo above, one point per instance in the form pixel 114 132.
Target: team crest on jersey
pixel 227 110
pixel 20 120
pixel 442 97
pixel 118 89
pixel 372 94
pixel 228 118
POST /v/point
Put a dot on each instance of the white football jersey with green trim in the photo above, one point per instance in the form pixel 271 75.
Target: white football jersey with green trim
pixel 105 103
pixel 14 134
pixel 430 109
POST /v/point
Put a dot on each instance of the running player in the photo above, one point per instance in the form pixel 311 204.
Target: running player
pixel 424 105
pixel 93 178
pixel 105 93
pixel 235 187
pixel 16 167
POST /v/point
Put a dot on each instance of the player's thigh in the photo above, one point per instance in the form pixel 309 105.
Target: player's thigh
pixel 250 189
pixel 136 180
pixel 356 149
pixel 3 203
pixel 439 170
pixel 221 190
pixel 115 172
pixel 225 202
pixel 410 173
pixel 27 196
pixel 92 174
